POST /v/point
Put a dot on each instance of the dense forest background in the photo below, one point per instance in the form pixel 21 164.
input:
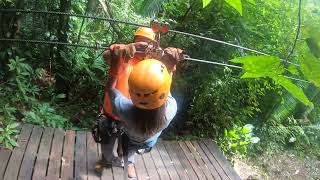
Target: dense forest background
pixel 62 86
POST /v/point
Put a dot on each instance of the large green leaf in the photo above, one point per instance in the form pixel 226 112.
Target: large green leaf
pixel 293 89
pixel 293 70
pixel 205 3
pixel 260 66
pixel 310 67
pixel 236 4
pixel 312 35
pixel 270 66
pixel 314 45
pixel 251 1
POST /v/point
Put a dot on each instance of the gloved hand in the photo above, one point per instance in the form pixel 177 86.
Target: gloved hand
pixel 133 50
pixel 121 53
pixel 171 57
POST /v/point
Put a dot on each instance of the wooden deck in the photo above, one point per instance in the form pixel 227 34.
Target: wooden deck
pixel 57 154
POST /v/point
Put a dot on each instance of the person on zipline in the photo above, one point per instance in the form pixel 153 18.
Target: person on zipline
pixel 144 105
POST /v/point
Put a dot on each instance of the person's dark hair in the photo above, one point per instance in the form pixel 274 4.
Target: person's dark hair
pixel 149 121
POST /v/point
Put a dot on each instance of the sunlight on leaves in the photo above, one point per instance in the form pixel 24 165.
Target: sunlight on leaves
pixel 310 67
pixel 293 89
pixel 270 66
pixel 293 70
pixel 205 3
pixel 236 4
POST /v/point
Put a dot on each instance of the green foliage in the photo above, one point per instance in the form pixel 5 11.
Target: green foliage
pixel 236 4
pixel 62 86
pixel 224 103
pixel 7 133
pixel 205 3
pixel 310 67
pixel 237 140
pixel 151 8
pixel 44 115
pixel 293 89
pixel 22 76
pixel 269 66
pixel 293 70
pixel 260 66
pixel 295 134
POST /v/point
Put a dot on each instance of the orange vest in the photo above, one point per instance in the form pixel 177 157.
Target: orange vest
pixel 122 86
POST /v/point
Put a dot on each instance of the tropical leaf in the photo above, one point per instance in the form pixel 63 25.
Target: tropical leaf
pixel 293 70
pixel 205 3
pixel 310 67
pixel 251 1
pixel 260 66
pixel 151 8
pixel 236 4
pixel 293 89
pixel 270 66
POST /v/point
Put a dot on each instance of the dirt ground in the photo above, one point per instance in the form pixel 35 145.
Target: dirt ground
pixel 282 166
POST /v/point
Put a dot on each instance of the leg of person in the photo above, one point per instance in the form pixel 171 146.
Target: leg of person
pixel 107 151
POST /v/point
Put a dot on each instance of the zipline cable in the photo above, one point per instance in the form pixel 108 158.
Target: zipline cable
pixel 53 43
pixel 140 25
pixel 212 62
pixel 100 47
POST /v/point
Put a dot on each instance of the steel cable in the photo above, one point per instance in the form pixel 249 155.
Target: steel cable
pixel 140 25
pixel 100 47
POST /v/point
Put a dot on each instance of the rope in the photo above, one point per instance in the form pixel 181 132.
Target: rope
pixel 100 47
pixel 139 25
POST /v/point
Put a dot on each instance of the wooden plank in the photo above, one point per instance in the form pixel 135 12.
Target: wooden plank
pixel 5 155
pixel 176 162
pixel 151 168
pixel 159 164
pixel 207 162
pixel 30 154
pixel 117 172
pixel 4 158
pixel 55 155
pixel 201 163
pixel 92 157
pixel 41 165
pixel 107 174
pixel 183 159
pixel 80 156
pixel 213 161
pixel 192 160
pixel 141 170
pixel 17 154
pixel 167 161
pixel 68 155
pixel 225 164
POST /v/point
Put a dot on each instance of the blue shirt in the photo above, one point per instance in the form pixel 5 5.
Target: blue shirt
pixel 124 109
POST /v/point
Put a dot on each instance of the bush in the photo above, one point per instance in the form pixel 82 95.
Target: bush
pixel 236 141
pixel 224 103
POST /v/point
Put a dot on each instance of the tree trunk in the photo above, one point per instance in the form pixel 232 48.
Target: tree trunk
pixel 62 83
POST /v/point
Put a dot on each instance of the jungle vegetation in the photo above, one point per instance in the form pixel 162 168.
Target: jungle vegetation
pixel 257 108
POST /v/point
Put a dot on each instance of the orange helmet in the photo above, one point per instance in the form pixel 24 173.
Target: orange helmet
pixel 145 32
pixel 149 84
